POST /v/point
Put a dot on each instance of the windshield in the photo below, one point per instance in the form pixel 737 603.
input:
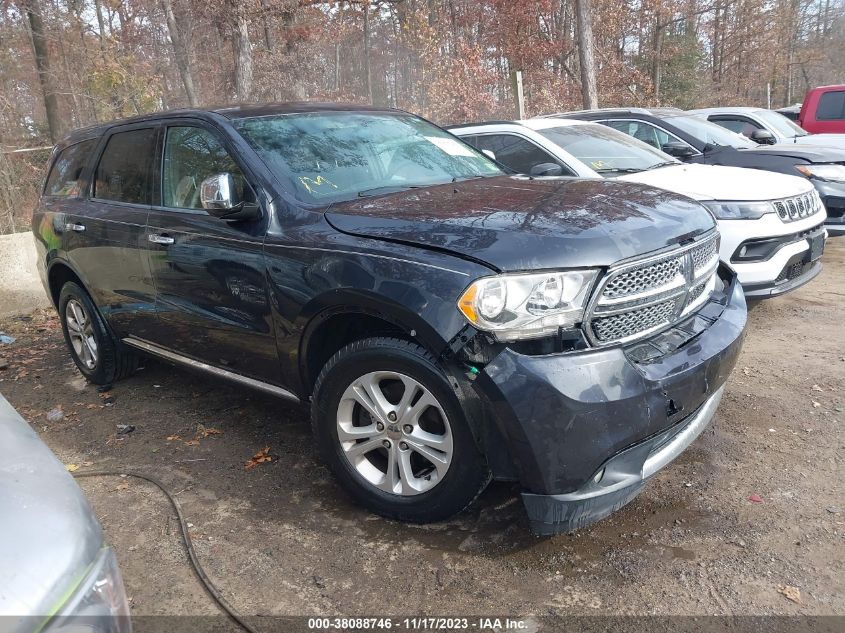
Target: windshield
pixel 708 132
pixel 605 150
pixel 328 156
pixel 780 124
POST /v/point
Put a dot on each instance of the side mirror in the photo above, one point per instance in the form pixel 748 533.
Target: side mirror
pixel 764 137
pixel 489 153
pixel 217 194
pixel 678 149
pixel 546 169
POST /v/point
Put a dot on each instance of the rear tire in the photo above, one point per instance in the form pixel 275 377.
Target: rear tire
pixel 394 433
pixel 97 355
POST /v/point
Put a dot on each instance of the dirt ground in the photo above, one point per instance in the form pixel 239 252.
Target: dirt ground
pixel 755 507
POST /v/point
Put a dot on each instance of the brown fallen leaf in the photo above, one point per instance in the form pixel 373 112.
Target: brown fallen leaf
pixel 192 442
pixel 205 431
pixel 124 485
pixel 173 438
pixel 259 458
pixel 793 593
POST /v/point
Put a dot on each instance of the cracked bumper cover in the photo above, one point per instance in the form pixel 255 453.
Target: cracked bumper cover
pixel 568 417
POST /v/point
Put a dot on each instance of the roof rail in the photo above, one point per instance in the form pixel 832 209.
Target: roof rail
pixel 480 123
pixel 626 110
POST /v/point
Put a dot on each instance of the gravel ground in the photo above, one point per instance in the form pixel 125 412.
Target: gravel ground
pixel 748 521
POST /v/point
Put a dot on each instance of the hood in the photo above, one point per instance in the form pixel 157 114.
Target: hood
pixel 516 223
pixel 821 140
pixel 48 535
pixel 717 182
pixel 810 153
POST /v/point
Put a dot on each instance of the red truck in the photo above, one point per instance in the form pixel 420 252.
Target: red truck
pixel 823 110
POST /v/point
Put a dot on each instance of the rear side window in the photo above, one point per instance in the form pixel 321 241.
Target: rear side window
pixel 125 172
pixel 64 178
pixel 515 152
pixel 740 126
pixel 831 106
pixel 643 132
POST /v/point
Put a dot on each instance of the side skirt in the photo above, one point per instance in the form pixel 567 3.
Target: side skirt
pixel 156 350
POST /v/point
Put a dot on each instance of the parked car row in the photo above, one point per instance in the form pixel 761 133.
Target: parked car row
pixel 692 139
pixel 771 226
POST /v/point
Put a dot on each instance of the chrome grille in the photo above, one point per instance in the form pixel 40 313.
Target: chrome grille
pixel 703 254
pixel 626 324
pixel 643 278
pixel 798 207
pixel 695 293
pixel 644 296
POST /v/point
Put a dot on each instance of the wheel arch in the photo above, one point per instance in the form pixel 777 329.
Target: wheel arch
pixel 348 317
pixel 59 272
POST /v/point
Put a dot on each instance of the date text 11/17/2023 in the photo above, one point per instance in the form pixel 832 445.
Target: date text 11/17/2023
pixel 421 623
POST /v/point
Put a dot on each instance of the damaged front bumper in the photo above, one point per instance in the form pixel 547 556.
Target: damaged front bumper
pixel 585 430
pixel 619 480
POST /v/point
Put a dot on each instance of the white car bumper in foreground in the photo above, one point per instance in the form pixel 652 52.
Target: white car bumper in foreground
pixel 771 256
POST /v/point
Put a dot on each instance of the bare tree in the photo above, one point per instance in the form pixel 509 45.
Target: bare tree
pixel 42 64
pixel 368 75
pixel 584 19
pixel 242 47
pixel 180 52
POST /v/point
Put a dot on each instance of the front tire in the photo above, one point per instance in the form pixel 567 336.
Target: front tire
pixel 394 433
pixel 91 345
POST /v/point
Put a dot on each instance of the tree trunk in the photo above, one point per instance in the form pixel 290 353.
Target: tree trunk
pixel 42 65
pixel 657 59
pixel 180 52
pixel 243 53
pixel 368 76
pixel 102 27
pixel 583 17
pixel 268 31
pixel 715 61
pixel 337 66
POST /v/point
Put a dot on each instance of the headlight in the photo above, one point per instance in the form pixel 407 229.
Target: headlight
pixel 739 210
pixel 836 173
pixel 523 306
pixel 99 603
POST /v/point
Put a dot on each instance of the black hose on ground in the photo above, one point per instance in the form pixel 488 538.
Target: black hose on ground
pixel 192 555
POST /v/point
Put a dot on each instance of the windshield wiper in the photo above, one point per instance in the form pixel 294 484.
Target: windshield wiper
pixel 377 191
pixel 665 163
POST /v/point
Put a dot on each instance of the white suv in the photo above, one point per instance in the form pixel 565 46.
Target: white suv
pixel 771 224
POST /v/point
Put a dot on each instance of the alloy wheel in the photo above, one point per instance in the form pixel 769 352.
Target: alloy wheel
pixel 394 433
pixel 81 333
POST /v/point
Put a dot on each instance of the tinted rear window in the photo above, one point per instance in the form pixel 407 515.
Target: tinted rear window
pixel 64 178
pixel 125 172
pixel 831 106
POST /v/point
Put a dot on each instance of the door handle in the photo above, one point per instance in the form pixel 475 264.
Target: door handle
pixel 79 228
pixel 155 238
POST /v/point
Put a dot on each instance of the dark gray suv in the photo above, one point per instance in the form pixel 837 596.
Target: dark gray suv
pixel 446 322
